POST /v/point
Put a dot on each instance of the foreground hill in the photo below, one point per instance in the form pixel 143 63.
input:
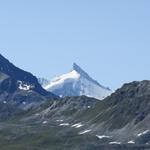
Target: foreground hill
pixel 120 122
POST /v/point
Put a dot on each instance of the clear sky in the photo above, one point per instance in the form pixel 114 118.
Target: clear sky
pixel 110 39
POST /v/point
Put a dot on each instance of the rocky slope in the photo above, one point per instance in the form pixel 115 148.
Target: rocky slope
pixel 19 87
pixel 120 122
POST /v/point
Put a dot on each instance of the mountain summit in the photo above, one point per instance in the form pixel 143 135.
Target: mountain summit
pixel 76 83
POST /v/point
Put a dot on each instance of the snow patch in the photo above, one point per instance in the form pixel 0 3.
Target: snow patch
pixel 131 142
pixel 115 142
pixel 4 102
pixel 142 133
pixel 24 87
pixel 59 120
pixel 37 114
pixel 64 124
pixel 77 125
pixel 23 103
pixel 44 122
pixel 102 136
pixel 85 131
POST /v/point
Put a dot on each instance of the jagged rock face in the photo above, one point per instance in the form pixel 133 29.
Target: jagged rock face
pixel 20 87
pixel 76 83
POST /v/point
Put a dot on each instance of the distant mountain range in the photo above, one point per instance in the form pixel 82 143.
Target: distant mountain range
pixel 75 83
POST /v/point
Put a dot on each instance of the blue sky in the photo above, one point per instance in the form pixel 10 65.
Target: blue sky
pixel 110 39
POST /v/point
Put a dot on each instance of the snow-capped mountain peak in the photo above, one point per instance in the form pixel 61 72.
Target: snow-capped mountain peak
pixel 76 83
pixel 60 80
